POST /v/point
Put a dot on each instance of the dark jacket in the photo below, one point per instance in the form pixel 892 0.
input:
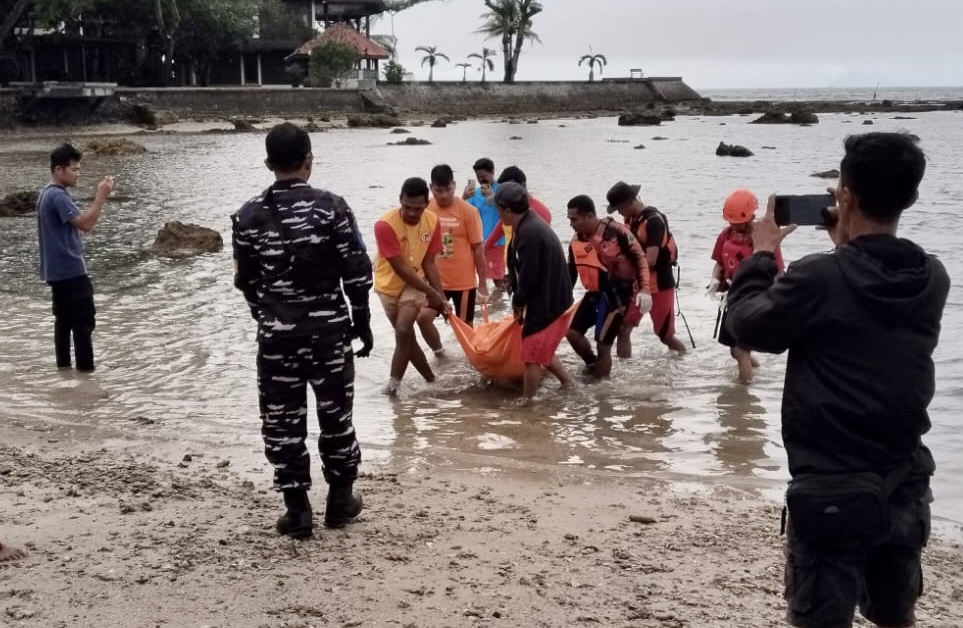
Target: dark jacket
pixel 860 325
pixel 538 273
pixel 298 251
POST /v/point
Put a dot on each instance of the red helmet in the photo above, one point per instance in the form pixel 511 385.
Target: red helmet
pixel 740 206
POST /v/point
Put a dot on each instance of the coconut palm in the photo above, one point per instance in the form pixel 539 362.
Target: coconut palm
pixel 511 20
pixel 464 70
pixel 592 60
pixel 486 60
pixel 431 58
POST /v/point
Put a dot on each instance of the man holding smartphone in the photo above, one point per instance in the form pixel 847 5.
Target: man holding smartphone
pixel 60 228
pixel 860 325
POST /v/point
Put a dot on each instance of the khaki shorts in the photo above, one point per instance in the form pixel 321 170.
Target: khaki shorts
pixel 409 297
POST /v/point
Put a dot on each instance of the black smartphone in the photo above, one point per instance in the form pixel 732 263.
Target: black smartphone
pixel 803 209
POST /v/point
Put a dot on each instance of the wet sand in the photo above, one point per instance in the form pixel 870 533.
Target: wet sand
pixel 127 529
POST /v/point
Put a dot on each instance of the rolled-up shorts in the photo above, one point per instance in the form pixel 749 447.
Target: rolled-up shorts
pixel 495 258
pixel 885 580
pixel 409 296
pixel 540 347
pixel 595 311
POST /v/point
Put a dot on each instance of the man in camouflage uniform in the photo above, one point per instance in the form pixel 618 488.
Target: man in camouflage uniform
pixel 297 252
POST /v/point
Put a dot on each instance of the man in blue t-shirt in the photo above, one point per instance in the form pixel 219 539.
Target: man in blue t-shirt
pixel 482 197
pixel 60 228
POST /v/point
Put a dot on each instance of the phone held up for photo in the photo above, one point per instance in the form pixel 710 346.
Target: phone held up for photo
pixel 803 209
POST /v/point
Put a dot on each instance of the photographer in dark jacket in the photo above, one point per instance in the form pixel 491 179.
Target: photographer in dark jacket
pixel 297 251
pixel 860 324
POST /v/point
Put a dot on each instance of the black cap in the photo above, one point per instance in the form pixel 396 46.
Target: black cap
pixel 512 196
pixel 620 193
pixel 512 173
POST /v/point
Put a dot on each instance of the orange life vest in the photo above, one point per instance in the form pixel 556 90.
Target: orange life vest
pixel 668 240
pixel 587 263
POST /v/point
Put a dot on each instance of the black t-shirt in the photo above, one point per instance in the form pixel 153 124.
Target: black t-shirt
pixel 655 233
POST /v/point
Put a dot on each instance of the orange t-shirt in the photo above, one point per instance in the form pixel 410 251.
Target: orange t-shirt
pixel 461 228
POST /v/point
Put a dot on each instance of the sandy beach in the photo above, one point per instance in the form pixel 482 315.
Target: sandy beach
pixel 127 529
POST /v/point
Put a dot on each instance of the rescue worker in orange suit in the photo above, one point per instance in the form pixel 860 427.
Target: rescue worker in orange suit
pixel 613 269
pixel 651 229
pixel 733 245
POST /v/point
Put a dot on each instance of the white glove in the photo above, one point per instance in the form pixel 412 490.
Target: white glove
pixel 712 290
pixel 643 301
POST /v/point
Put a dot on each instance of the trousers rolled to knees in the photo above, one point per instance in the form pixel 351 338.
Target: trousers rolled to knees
pixel 285 368
pixel 74 317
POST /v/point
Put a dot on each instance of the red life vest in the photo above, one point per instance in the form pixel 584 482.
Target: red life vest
pixel 735 248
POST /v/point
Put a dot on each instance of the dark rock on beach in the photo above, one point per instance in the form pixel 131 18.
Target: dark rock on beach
pixel 796 116
pixel 177 238
pixel 640 119
pixel 113 146
pixel 18 204
pixel 400 131
pixel 376 120
pixel 828 174
pixel 410 141
pixel 732 150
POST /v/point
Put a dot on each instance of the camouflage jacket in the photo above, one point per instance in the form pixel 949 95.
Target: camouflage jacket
pixel 298 252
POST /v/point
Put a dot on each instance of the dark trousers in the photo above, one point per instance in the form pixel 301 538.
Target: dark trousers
pixel 74 315
pixel 285 368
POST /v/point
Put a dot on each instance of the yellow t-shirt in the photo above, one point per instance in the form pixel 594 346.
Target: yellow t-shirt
pixel 412 242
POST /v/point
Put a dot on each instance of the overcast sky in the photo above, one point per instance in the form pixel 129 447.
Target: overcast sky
pixel 711 43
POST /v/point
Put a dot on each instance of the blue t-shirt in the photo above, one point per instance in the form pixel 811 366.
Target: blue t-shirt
pixel 488 211
pixel 61 244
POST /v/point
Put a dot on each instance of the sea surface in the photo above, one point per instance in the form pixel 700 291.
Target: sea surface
pixel 855 94
pixel 176 346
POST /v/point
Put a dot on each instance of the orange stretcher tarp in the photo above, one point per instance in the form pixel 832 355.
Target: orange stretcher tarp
pixel 494 349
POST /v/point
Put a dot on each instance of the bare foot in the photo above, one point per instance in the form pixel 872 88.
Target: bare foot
pixel 8 553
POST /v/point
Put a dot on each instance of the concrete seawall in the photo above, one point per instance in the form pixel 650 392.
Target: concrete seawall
pixel 491 98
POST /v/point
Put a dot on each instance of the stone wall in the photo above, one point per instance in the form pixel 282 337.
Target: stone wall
pixel 534 97
pixel 243 101
pixel 417 98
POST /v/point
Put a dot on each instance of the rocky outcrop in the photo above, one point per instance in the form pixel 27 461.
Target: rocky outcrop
pixel 18 204
pixel 796 116
pixel 732 150
pixel 828 174
pixel 640 119
pixel 410 141
pixel 177 238
pixel 147 115
pixel 376 120
pixel 113 146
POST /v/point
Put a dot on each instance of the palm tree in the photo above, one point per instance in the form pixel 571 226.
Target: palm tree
pixel 592 60
pixel 511 20
pixel 464 70
pixel 486 60
pixel 431 58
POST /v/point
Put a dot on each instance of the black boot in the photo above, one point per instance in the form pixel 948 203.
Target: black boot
pixel 297 522
pixel 343 505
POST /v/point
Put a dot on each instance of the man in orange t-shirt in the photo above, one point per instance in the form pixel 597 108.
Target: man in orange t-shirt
pixel 461 263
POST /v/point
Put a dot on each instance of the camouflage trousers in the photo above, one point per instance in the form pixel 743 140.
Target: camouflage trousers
pixel 285 368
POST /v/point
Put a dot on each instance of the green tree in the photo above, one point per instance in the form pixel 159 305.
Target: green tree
pixel 464 70
pixel 331 61
pixel 431 58
pixel 485 58
pixel 394 72
pixel 278 21
pixel 592 60
pixel 511 21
